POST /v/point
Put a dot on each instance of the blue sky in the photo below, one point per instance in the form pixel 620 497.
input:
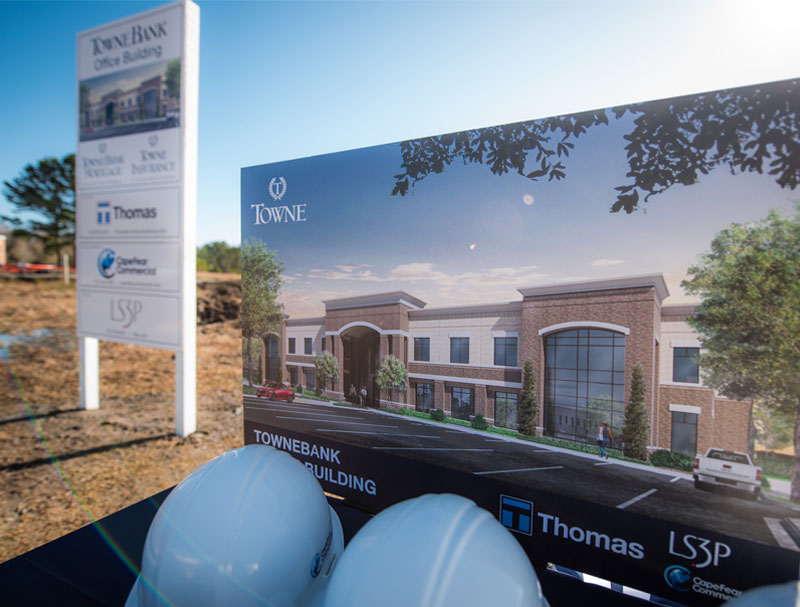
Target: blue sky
pixel 283 80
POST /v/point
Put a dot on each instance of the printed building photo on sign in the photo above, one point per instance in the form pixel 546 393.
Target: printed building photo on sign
pixel 587 321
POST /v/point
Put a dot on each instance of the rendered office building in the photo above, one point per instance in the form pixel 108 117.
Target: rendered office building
pixel 583 339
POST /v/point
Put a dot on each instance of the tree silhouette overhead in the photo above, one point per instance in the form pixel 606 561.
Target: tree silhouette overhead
pixel 673 142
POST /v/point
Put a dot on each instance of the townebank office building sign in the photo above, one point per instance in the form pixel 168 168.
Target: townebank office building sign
pixel 465 257
pixel 136 177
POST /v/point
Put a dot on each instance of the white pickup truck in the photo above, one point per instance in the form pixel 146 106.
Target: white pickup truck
pixel 731 469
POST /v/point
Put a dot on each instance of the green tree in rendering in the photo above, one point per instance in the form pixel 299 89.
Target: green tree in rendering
pixel 748 318
pixel 279 371
pixel 392 375
pixel 327 368
pixel 172 77
pixel 671 142
pixel 528 405
pixel 261 282
pixel 44 193
pixel 634 430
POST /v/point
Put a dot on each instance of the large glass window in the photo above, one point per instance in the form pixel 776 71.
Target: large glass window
pixel 422 348
pixel 293 375
pixel 424 397
pixel 292 346
pixel 684 432
pixel 307 345
pixel 459 350
pixel 505 409
pixel 461 403
pixel 505 351
pixel 684 365
pixel 584 383
pixel 311 377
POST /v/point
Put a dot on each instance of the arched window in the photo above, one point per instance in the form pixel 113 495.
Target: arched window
pixel 584 383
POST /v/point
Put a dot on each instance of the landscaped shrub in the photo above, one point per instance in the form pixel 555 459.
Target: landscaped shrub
pixel 670 459
pixel 437 415
pixel 479 423
pixel 775 464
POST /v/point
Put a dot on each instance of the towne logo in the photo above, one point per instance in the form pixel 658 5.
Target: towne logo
pixel 518 515
pixel 105 212
pixel 138 34
pixel 109 264
pixel 152 162
pixel 125 311
pixel 279 214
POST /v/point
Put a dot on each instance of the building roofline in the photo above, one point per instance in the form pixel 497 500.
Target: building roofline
pixel 683 308
pixel 375 299
pixel 601 284
pixel 298 322
pixel 468 309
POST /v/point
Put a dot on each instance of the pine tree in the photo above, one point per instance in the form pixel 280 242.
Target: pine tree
pixel 528 407
pixel 634 432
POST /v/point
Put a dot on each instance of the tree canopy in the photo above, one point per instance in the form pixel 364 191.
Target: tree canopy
pixel 44 195
pixel 261 283
pixel 218 256
pixel 749 316
pixel 672 142
pixel 327 369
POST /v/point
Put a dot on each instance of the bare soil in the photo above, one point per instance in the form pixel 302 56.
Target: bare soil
pixel 61 467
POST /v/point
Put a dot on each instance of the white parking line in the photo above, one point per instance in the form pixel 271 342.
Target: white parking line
pixel 604 463
pixel 333 421
pixel 633 500
pixel 520 470
pixel 374 433
pixel 430 449
pixel 677 478
pixel 781 535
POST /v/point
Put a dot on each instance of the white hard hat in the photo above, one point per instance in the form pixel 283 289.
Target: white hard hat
pixel 779 595
pixel 250 527
pixel 434 550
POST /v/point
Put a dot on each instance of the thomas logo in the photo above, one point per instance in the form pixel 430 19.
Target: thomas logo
pixel 277 188
pixel 678 577
pixel 105 263
pixel 103 213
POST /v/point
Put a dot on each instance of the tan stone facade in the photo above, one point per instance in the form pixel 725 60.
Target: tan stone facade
pixel 471 357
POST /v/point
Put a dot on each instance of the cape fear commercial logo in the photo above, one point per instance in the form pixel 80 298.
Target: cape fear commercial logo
pixel 277 188
pixel 678 577
pixel 105 263
pixel 294 213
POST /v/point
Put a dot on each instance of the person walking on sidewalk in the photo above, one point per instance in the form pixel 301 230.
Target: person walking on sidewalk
pixel 604 439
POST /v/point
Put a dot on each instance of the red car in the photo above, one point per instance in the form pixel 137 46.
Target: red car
pixel 276 391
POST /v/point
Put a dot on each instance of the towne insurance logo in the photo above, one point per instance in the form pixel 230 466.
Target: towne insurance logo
pixel 286 213
pixel 109 264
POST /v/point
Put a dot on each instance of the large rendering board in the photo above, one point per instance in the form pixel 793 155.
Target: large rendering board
pixel 463 313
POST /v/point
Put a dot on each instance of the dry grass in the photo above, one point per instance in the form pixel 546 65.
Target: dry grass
pixel 61 467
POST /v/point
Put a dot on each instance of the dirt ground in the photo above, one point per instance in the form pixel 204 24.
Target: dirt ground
pixel 60 467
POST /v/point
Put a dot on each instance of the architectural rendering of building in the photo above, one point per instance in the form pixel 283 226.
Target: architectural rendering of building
pixel 583 339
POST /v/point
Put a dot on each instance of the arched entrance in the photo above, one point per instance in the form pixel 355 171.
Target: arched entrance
pixel 584 382
pixel 361 350
pixel 110 113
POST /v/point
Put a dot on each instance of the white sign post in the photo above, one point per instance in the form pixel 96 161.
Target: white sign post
pixel 136 199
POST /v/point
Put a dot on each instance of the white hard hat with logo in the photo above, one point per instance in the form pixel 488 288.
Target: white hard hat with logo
pixel 250 527
pixel 434 550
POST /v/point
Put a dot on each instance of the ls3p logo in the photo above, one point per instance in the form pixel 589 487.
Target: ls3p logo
pixel 105 263
pixel 277 188
pixel 126 311
pixel 678 577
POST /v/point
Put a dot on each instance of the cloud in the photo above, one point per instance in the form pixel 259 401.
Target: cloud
pixel 343 272
pixel 607 262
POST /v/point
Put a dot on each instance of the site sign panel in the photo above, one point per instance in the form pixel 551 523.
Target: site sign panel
pixel 522 314
pixel 136 171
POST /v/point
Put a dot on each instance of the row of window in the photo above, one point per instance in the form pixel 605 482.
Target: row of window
pixel 307 345
pixel 505 350
pixel 462 404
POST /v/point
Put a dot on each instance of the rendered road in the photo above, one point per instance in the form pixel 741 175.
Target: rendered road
pixel 669 496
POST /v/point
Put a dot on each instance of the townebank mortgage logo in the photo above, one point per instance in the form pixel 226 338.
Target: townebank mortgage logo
pixel 109 264
pixel 293 213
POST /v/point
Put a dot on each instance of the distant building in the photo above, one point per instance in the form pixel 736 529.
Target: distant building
pixel 583 339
